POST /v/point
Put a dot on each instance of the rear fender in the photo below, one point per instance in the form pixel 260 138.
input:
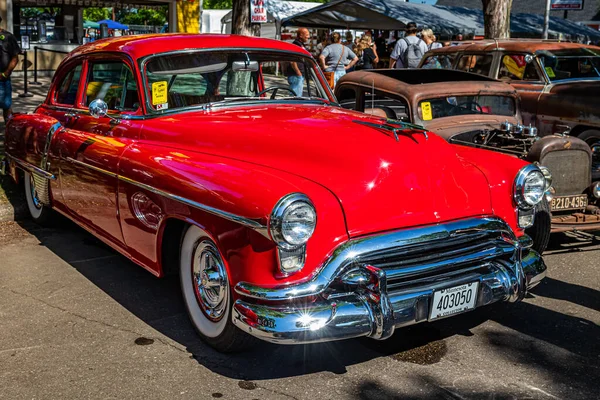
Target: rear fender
pixel 29 138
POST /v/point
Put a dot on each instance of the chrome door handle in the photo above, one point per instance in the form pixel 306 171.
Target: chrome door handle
pixel 71 115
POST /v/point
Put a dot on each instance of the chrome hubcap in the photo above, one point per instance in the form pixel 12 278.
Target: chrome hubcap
pixel 210 280
pixel 34 195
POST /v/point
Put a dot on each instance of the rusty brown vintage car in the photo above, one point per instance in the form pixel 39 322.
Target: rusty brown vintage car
pixel 474 110
pixel 559 82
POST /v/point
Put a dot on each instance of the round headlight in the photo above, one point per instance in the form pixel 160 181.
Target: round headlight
pixel 293 221
pixel 530 186
pixel 596 190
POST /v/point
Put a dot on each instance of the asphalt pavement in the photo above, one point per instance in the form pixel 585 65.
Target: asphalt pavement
pixel 77 320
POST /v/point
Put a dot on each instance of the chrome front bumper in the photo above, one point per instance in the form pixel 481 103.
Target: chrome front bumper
pixel 370 304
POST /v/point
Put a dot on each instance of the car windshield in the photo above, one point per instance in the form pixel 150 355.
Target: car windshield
pixel 185 80
pixel 465 105
pixel 570 63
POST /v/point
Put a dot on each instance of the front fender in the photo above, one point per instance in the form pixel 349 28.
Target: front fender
pixel 500 171
pixel 209 191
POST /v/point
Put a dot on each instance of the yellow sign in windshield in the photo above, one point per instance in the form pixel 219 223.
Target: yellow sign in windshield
pixel 159 93
pixel 426 111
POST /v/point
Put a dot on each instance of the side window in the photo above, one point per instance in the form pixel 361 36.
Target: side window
pixel 347 98
pixel 113 82
pixel 439 61
pixel 67 90
pixel 476 63
pixel 514 68
pixel 382 105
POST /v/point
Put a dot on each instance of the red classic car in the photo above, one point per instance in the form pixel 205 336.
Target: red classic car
pixel 286 217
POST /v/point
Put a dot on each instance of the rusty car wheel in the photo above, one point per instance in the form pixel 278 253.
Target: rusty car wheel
pixel 207 293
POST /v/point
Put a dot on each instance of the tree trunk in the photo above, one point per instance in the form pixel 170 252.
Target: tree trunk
pixel 240 19
pixel 496 18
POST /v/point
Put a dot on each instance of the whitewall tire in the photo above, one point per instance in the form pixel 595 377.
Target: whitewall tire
pixel 207 293
pixel 39 212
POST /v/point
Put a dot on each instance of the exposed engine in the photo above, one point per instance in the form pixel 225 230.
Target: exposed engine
pixel 514 139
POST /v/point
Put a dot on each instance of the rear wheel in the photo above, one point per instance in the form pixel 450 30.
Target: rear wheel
pixel 207 293
pixel 591 137
pixel 542 224
pixel 40 213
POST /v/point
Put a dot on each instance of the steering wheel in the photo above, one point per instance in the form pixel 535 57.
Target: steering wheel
pixel 275 89
pixel 471 105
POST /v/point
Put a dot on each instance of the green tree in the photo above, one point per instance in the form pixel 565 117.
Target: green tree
pixel 143 16
pixel 96 13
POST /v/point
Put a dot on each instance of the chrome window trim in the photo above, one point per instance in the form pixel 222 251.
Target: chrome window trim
pixel 347 256
pixel 142 62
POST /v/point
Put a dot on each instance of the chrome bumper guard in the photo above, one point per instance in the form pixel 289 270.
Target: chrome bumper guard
pixel 358 291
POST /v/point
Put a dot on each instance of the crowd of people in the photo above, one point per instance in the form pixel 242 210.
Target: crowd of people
pixel 337 57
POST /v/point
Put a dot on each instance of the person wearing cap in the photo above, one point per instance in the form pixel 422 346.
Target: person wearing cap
pixel 9 57
pixel 399 55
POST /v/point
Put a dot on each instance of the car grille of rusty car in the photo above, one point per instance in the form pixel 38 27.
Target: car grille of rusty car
pixel 370 286
pixel 571 171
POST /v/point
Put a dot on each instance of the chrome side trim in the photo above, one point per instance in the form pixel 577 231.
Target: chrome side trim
pixel 94 168
pixel 350 254
pixel 27 166
pixel 250 223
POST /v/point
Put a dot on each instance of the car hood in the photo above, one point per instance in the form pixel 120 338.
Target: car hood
pixel 450 126
pixel 381 183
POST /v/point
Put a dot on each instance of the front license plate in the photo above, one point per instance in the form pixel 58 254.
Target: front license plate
pixel 453 300
pixel 569 202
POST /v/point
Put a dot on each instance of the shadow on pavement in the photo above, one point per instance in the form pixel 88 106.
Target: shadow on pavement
pixel 158 303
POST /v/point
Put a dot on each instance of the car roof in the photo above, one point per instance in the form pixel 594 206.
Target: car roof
pixel 139 46
pixel 528 46
pixel 416 84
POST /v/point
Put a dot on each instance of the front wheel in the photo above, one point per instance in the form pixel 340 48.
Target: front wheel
pixel 591 137
pixel 542 225
pixel 40 213
pixel 207 292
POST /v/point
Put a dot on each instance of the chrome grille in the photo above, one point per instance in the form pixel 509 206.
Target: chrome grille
pixel 438 260
pixel 571 171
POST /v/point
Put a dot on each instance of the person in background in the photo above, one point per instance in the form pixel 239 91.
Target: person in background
pixel 319 47
pixel 333 56
pixel 429 39
pixel 294 72
pixel 349 40
pixel 9 57
pixel 409 50
pixel 367 55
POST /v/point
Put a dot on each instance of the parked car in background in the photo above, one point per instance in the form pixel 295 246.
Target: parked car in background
pixel 478 111
pixel 559 82
pixel 286 217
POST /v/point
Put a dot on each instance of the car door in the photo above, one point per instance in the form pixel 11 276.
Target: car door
pixel 522 72
pixel 91 151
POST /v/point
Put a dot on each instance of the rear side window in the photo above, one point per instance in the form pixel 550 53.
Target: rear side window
pixel 476 63
pixel 514 67
pixel 67 89
pixel 439 61
pixel 113 82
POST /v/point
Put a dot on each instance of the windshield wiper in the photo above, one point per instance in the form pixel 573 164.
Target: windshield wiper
pixel 242 99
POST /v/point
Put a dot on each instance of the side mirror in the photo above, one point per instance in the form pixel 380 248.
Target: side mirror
pixel 98 108
pixel 251 66
pixel 529 58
